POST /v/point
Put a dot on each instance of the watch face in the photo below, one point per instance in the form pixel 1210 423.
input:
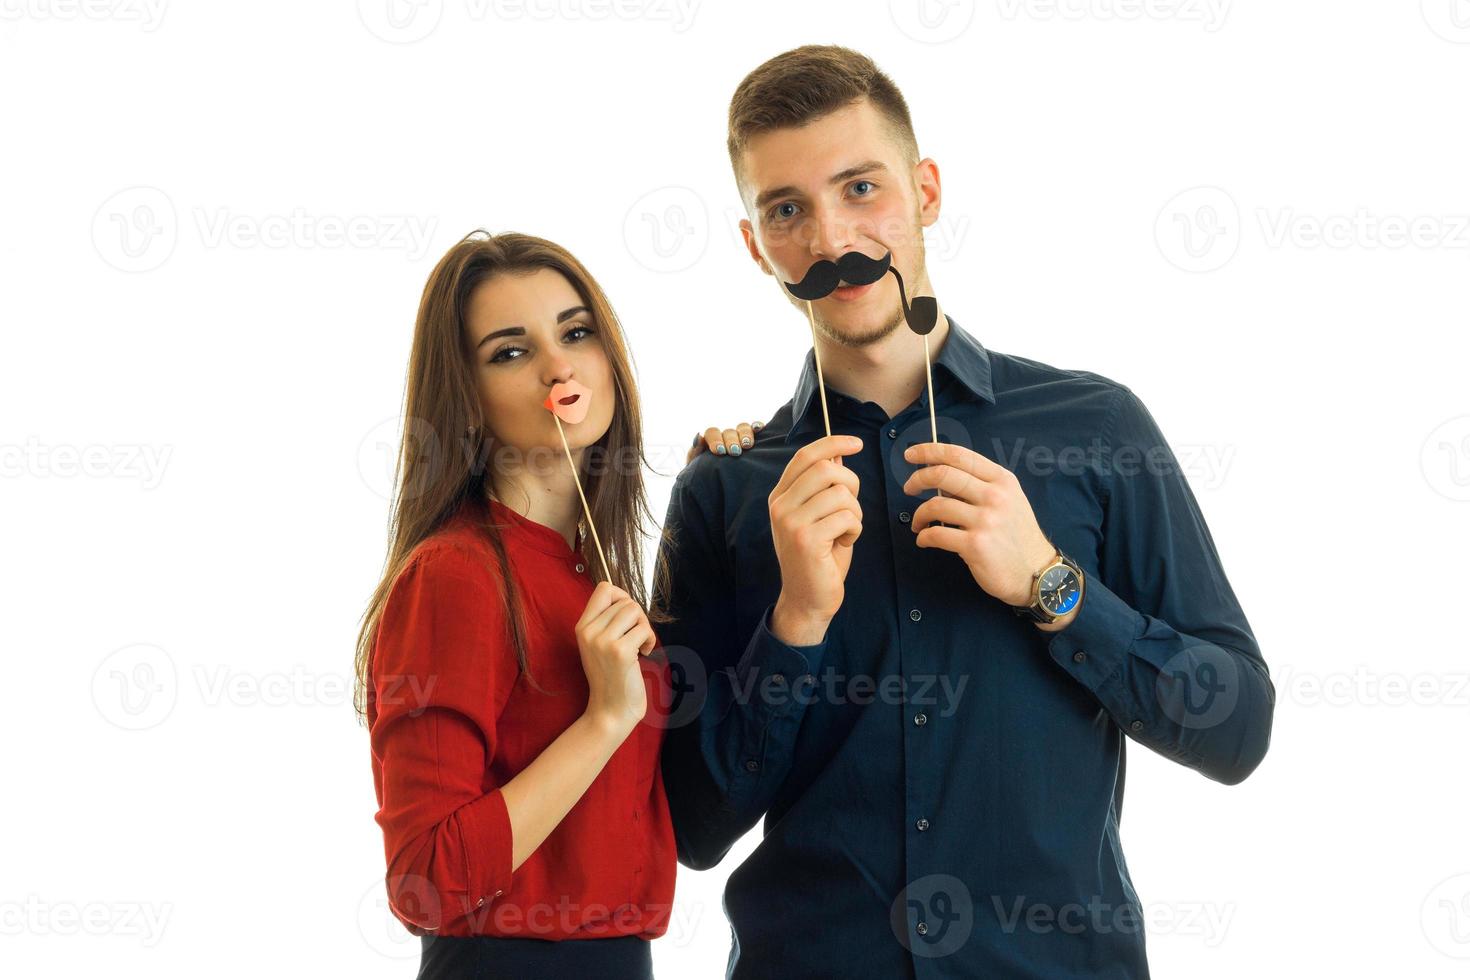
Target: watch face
pixel 1060 590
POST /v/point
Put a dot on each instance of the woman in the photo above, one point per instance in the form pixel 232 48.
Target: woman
pixel 503 684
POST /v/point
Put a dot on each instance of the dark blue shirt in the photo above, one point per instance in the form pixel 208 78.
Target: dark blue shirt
pixel 942 781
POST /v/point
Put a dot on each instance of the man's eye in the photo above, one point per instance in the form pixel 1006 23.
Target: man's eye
pixel 781 210
pixel 863 183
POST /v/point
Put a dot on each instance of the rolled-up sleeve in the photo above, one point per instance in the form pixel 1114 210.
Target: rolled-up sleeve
pixel 1160 639
pixel 440 650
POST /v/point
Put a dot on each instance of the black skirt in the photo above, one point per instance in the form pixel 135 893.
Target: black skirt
pixel 503 958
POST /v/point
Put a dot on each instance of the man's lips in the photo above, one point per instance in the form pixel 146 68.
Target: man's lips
pixel 848 293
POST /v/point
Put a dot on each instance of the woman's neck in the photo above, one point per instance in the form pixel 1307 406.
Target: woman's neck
pixel 548 497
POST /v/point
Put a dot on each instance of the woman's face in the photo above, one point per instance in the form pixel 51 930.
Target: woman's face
pixel 527 332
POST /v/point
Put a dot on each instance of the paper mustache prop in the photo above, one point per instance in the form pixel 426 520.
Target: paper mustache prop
pixel 571 400
pixel 858 269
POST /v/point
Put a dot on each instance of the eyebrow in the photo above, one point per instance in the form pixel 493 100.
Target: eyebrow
pixel 868 166
pixel 561 317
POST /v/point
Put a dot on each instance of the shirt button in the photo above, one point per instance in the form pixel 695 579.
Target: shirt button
pixel 581 567
pixel 1137 726
pixel 1079 656
pixel 921 719
pixel 480 903
pixel 904 517
pixel 922 928
pixel 751 765
pixel 921 823
pixel 915 615
pixel 893 433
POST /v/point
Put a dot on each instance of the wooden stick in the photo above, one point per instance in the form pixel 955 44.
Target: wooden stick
pixel 933 426
pixel 817 353
pixel 585 509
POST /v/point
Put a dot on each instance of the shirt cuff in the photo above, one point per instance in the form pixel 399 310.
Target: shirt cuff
pixel 1095 646
pixel 769 657
pixel 485 833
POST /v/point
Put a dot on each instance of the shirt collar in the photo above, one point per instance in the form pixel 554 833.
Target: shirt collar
pixel 962 357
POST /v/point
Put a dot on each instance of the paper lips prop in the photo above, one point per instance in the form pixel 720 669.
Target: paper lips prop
pixel 569 401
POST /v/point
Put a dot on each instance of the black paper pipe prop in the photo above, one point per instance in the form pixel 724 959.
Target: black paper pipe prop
pixel 570 400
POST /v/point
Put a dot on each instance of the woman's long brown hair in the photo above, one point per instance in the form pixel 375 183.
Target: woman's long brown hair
pixel 444 456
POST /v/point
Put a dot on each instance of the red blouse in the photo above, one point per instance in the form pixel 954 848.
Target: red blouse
pixel 450 721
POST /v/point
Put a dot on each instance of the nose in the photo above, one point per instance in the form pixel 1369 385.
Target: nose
pixel 831 234
pixel 558 369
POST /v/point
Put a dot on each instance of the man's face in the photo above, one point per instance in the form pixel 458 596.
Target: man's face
pixel 835 185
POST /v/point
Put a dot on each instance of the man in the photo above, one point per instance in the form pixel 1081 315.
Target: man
pixel 941 777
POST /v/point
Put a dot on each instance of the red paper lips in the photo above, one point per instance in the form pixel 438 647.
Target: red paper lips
pixel 569 401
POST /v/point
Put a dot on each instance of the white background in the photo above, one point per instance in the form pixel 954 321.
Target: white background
pixel 1253 214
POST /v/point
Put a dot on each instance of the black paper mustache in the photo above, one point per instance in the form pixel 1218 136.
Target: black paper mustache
pixel 857 269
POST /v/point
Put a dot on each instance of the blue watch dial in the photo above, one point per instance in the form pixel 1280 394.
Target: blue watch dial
pixel 1060 590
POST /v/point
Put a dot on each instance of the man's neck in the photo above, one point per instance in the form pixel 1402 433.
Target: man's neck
pixel 890 372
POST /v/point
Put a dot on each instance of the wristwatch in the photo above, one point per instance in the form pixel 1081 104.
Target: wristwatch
pixel 1055 591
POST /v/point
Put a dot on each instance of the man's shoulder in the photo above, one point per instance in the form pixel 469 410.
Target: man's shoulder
pixel 1022 379
pixel 712 478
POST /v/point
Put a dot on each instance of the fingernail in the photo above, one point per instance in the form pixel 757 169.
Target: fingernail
pixel 734 450
pixel 757 426
pixel 720 449
pixel 745 441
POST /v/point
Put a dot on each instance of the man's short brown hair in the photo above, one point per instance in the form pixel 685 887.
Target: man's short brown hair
pixel 806 83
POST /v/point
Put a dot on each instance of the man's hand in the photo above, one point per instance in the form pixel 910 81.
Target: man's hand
pixel 991 524
pixel 815 519
pixel 723 442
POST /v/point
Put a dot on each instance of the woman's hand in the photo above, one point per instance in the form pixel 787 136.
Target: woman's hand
pixel 612 634
pixel 724 442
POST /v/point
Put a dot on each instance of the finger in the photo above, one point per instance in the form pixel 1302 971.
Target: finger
pixel 950 481
pixel 746 434
pixel 841 528
pixel 695 449
pixel 819 476
pixel 618 619
pixel 640 638
pixel 604 595
pixel 732 442
pixel 943 538
pixel 828 502
pixel 757 426
pixel 826 447
pixel 948 510
pixel 714 440
pixel 961 458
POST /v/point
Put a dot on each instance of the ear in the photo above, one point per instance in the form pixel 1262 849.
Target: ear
pixel 926 184
pixel 747 232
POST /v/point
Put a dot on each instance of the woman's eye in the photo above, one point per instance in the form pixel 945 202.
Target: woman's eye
pixel 502 355
pixel 579 328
